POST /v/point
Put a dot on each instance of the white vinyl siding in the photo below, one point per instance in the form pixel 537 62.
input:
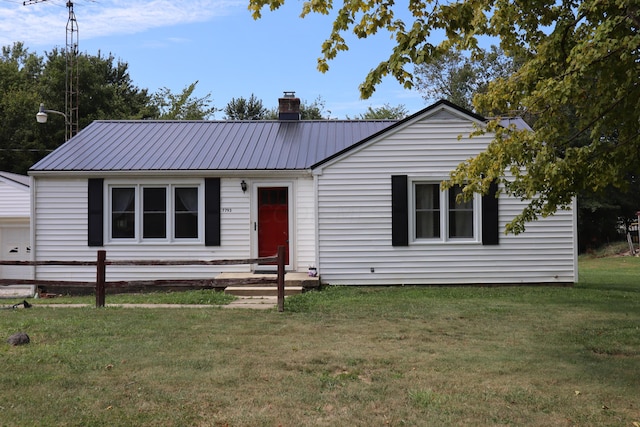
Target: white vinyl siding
pixel 61 234
pixel 305 236
pixel 15 201
pixel 354 220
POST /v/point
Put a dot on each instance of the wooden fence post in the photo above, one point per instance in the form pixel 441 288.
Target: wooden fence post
pixel 100 278
pixel 281 256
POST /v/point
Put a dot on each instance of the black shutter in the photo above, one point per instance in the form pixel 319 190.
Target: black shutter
pixel 399 211
pixel 95 213
pixel 212 211
pixel 490 229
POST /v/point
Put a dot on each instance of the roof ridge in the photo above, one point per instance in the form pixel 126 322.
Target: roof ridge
pixel 155 121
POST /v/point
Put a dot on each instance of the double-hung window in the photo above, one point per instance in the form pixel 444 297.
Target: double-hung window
pixel 438 216
pixel 123 212
pixel 152 212
pixel 427 211
pixel 185 217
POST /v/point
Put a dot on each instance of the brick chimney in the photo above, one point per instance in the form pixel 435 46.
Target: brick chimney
pixel 289 107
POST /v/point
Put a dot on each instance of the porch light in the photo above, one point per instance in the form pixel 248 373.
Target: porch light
pixel 243 185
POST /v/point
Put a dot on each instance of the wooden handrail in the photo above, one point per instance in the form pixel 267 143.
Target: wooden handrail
pixel 266 260
pixel 102 262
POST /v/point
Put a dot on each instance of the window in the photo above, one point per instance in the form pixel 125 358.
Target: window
pixel 186 213
pixel 155 213
pixel 420 211
pixel 460 215
pixel 123 213
pixel 437 211
pixel 427 211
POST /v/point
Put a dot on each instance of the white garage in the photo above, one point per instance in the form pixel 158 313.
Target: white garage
pixel 15 213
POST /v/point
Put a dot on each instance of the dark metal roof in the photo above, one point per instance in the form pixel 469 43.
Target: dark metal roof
pixel 207 145
pixel 144 145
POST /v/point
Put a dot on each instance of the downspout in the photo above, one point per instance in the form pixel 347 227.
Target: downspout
pixel 316 219
pixel 32 225
pixel 575 240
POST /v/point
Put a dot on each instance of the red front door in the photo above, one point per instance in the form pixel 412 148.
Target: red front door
pixel 273 221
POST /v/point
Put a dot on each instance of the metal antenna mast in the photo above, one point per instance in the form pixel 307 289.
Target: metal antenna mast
pixel 72 81
pixel 71 71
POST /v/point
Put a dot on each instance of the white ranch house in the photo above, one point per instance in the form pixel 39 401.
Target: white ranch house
pixel 359 200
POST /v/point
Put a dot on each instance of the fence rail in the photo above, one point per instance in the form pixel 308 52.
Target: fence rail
pixel 102 262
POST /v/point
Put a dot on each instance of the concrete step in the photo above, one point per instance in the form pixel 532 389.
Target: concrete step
pixel 17 291
pixel 261 290
pixel 291 278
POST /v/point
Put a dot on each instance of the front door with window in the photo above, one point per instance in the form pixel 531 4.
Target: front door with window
pixel 273 221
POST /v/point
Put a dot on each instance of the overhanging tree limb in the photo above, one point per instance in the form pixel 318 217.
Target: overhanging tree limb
pixel 580 75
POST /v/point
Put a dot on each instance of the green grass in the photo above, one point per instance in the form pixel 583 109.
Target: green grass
pixel 206 297
pixel 441 356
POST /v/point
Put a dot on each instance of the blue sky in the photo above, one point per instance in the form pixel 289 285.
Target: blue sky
pixel 217 43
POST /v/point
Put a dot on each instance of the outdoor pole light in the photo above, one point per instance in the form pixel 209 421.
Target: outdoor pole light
pixel 41 117
pixel 243 185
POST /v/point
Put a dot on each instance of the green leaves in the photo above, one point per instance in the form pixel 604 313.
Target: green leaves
pixel 245 109
pixel 26 80
pixel 578 85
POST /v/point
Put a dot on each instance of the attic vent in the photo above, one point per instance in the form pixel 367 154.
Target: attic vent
pixel 289 107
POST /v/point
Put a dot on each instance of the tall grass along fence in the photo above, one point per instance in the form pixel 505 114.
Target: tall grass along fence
pixel 101 263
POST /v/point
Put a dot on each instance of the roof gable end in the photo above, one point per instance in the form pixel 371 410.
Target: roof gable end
pixel 441 110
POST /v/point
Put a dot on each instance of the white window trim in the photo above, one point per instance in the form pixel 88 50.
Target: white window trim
pixel 138 185
pixel 444 215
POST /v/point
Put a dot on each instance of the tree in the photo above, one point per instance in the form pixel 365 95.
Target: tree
pixel 308 110
pixel 182 106
pixel 243 109
pixel 19 100
pixel 106 90
pixel 457 77
pixel 578 79
pixel 385 112
pixel 314 110
pixel 606 216
pixel 26 80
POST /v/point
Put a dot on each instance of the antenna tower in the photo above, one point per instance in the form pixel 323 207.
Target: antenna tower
pixel 72 80
pixel 71 71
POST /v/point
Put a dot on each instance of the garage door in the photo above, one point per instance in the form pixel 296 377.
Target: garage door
pixel 14 242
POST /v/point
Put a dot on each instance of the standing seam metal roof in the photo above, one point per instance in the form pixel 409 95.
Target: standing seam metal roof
pixel 136 145
pixel 221 145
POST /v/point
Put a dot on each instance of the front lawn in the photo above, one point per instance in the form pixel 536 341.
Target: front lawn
pixel 522 356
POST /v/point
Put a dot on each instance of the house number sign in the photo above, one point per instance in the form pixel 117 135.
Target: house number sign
pixel 226 210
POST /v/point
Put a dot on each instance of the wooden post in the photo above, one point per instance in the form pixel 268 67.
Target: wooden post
pixel 281 256
pixel 100 278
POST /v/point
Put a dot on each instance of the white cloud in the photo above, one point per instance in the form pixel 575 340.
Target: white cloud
pixel 38 24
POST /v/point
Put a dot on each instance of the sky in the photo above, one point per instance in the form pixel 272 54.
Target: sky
pixel 171 44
